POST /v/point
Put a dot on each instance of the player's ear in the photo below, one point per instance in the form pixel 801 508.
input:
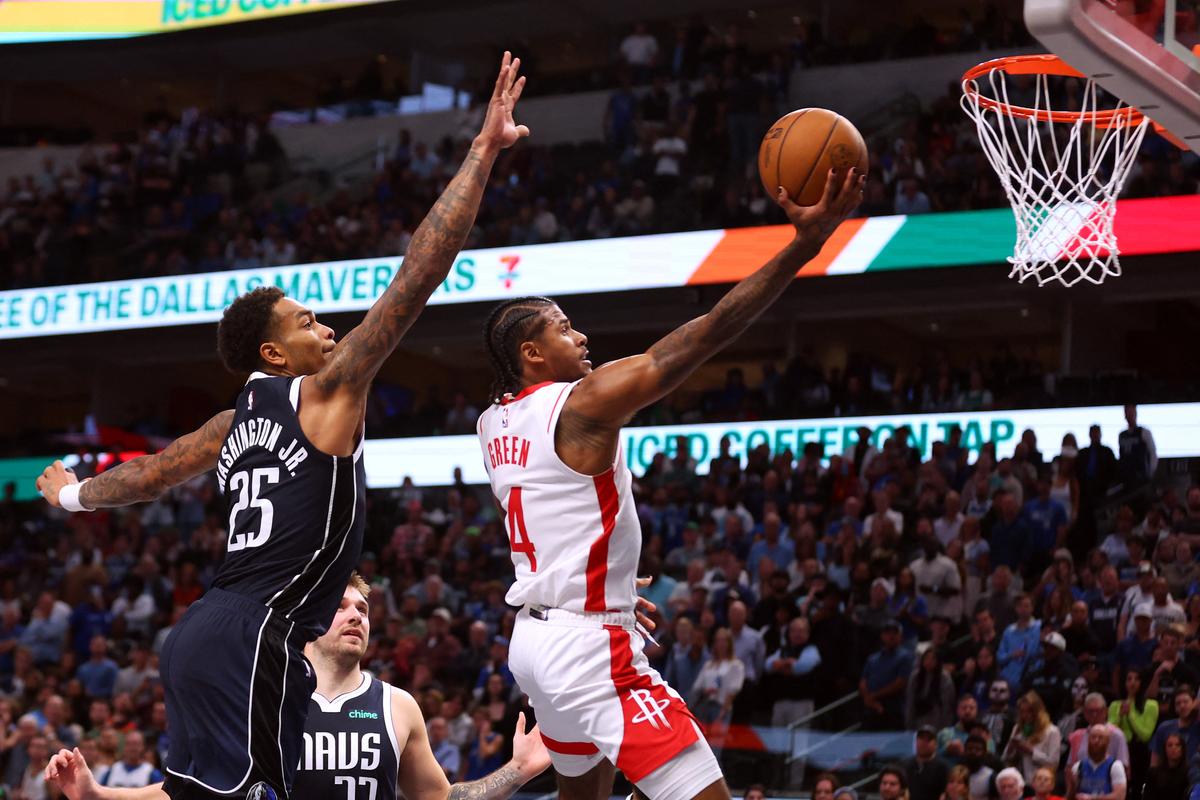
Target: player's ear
pixel 271 354
pixel 531 352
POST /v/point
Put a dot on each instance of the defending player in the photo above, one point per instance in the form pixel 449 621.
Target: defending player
pixel 362 737
pixel 288 458
pixel 551 445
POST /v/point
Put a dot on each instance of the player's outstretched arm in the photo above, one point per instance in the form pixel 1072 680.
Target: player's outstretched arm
pixel 421 778
pixel 608 397
pixel 431 253
pixel 69 771
pixel 146 477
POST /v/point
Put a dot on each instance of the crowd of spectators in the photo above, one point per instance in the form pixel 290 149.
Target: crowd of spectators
pixel 676 153
pixel 968 598
pixel 798 388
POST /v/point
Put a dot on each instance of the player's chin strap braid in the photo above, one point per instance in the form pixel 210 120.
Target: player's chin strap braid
pixel 505 319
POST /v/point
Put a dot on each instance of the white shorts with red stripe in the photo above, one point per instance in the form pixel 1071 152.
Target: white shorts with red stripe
pixel 596 696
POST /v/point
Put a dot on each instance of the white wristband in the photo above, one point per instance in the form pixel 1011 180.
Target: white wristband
pixel 68 497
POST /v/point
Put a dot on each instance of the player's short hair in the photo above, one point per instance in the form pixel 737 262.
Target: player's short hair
pixel 509 324
pixel 358 582
pixel 244 326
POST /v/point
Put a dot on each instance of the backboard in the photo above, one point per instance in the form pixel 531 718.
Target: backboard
pixel 1146 52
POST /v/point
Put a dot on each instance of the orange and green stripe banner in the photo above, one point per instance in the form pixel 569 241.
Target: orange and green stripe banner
pixel 873 244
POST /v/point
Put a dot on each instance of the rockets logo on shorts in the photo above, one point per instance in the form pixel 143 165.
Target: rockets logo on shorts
pixel 651 709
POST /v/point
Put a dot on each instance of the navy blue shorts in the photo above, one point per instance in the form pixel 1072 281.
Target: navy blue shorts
pixel 237 692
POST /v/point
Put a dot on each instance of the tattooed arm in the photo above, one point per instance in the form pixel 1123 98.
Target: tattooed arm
pixel 421 777
pixel 332 402
pixel 147 477
pixel 434 245
pixel 607 398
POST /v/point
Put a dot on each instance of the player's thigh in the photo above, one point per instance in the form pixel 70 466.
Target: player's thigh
pixel 595 784
pixel 692 774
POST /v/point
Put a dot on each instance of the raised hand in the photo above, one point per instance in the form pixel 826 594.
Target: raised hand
pixel 499 129
pixel 843 193
pixel 70 772
pixel 530 755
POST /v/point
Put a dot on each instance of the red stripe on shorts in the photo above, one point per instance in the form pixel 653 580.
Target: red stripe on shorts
pixel 570 748
pixel 658 725
pixel 597 564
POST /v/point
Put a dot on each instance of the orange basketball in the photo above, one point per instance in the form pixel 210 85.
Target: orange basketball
pixel 800 149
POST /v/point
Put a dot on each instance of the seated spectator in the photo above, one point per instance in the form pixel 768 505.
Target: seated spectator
pixel 1044 781
pixel 1095 712
pixel 884 679
pixel 686 658
pixel 32 783
pixel 908 607
pixel 445 753
pixel 997 720
pixel 1098 774
pixel 789 675
pixel 485 754
pixel 980 775
pixel 1020 643
pixel 938 580
pixel 1137 718
pixel 893 783
pixel 1186 723
pixel 1170 670
pixel 1051 676
pixel 719 682
pixel 1000 598
pixel 132 771
pixel 950 740
pixel 957 784
pixel 1010 784
pixel 1168 779
pixel 929 696
pixel 99 673
pixel 1035 741
pixel 925 773
pixel 1078 634
pixel 1136 651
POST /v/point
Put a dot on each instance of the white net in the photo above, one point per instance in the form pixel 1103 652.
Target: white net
pixel 1061 172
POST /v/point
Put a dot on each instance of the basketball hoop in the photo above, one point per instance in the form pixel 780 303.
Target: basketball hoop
pixel 1061 169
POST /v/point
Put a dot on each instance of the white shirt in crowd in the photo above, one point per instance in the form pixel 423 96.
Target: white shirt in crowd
pixel 639 50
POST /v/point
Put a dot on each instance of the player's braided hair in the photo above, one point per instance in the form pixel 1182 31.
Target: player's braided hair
pixel 244 326
pixel 510 323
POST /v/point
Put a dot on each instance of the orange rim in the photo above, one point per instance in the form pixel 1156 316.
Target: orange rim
pixel 1047 64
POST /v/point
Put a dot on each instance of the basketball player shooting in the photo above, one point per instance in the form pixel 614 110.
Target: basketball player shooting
pixel 551 446
pixel 288 458
pixel 363 738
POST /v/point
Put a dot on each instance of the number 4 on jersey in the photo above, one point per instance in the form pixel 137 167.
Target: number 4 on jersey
pixel 518 536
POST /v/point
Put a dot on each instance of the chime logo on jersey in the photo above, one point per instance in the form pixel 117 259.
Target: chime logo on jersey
pixel 651 709
pixel 325 750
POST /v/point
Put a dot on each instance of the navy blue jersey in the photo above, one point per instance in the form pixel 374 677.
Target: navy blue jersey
pixel 350 747
pixel 296 515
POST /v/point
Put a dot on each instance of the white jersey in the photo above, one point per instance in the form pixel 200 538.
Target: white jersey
pixel 575 538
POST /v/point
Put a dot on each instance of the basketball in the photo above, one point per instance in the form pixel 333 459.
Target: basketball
pixel 801 147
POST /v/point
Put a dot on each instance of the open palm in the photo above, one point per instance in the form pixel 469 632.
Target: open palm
pixel 499 128
pixel 843 192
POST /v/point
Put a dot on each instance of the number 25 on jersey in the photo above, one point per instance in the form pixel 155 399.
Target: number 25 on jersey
pixel 518 535
pixel 248 485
